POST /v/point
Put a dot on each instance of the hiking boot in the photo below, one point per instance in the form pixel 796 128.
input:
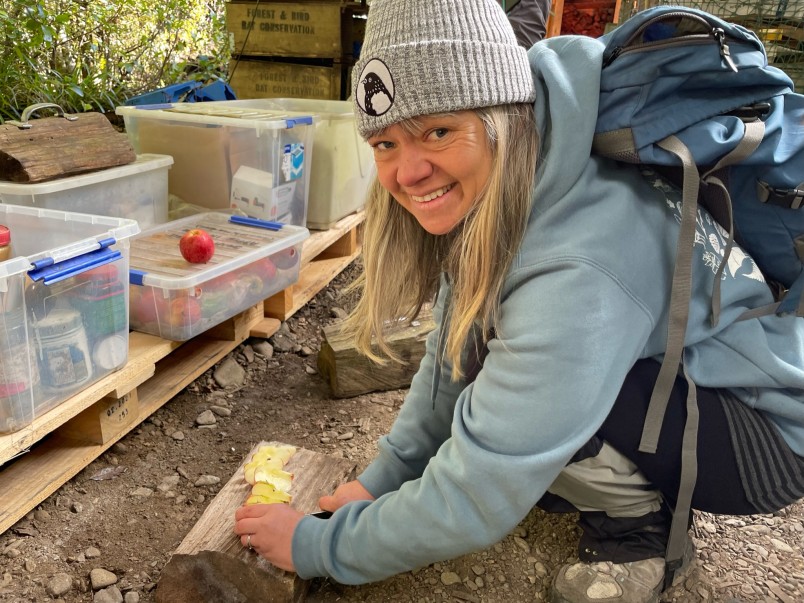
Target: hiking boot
pixel 608 582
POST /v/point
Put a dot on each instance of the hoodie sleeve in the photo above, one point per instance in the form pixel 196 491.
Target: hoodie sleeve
pixel 546 386
pixel 423 422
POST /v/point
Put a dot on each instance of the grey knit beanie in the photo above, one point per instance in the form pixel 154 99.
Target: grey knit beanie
pixel 435 56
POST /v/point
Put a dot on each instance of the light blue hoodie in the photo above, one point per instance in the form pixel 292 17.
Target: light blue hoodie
pixel 586 297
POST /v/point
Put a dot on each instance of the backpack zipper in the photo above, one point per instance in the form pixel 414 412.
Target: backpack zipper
pixel 715 33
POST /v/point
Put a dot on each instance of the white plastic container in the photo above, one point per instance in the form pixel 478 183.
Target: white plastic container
pixel 63 308
pixel 138 191
pixel 177 300
pixel 343 164
pixel 210 142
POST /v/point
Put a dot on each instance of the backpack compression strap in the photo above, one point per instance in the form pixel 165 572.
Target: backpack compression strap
pixel 754 133
pixel 672 362
pixel 680 295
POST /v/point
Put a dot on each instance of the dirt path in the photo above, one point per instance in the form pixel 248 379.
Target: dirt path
pixel 129 523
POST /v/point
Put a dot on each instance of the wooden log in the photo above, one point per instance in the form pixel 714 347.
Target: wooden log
pixel 349 373
pixel 54 147
pixel 211 565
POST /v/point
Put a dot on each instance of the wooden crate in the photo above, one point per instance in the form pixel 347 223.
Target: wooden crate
pixel 291 29
pixel 274 79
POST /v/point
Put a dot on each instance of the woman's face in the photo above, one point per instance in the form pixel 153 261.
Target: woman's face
pixel 437 169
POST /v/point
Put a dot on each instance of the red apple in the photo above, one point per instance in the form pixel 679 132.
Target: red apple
pixel 265 269
pixel 185 311
pixel 146 304
pixel 196 246
pixel 285 259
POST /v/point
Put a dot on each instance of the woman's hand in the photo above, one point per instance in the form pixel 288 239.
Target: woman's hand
pixel 345 493
pixel 268 529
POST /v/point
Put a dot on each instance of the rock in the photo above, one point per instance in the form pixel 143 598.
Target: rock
pixel 229 374
pixel 522 544
pixel 283 341
pixel 782 546
pixel 346 436
pixel 168 483
pixel 450 578
pixel 92 553
pixel 131 596
pixel 101 578
pixel 60 584
pixel 108 595
pixel 76 507
pixel 339 313
pixel 177 435
pixel 248 352
pixel 221 411
pixel 306 351
pixel 264 349
pixel 207 480
pixel 309 369
pixel 206 418
pixel 142 492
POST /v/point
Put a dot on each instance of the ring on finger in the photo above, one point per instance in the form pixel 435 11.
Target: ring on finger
pixel 248 543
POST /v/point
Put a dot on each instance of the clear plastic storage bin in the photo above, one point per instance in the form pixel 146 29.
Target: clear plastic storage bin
pixel 138 190
pixel 223 157
pixel 63 308
pixel 343 164
pixel 177 300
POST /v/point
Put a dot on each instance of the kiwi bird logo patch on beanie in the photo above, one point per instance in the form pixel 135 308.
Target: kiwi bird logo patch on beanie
pixel 375 90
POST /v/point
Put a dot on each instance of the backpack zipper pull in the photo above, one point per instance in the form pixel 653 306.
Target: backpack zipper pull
pixel 720 37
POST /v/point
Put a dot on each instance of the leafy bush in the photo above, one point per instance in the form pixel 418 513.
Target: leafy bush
pixel 90 55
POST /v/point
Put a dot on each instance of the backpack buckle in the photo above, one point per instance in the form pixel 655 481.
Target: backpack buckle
pixel 790 198
pixel 750 113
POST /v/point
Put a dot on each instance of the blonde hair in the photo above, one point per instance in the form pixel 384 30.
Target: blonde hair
pixel 403 262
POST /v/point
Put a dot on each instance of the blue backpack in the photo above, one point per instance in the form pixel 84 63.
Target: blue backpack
pixel 694 97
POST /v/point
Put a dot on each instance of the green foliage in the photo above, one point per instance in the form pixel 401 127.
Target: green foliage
pixel 90 55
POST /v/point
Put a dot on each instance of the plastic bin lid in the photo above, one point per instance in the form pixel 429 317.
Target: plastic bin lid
pixel 217 113
pixel 155 259
pixel 144 163
pixel 319 109
pixel 37 227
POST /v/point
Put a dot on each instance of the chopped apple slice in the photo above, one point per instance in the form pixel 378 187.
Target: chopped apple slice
pixel 250 467
pixel 269 451
pixel 271 498
pixel 279 479
pixel 268 491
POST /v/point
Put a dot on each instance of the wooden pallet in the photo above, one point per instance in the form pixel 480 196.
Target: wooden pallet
pixel 38 460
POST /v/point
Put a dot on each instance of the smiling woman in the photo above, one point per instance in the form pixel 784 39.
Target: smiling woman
pixel 550 268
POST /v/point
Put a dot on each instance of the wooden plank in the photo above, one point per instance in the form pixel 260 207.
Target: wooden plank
pixel 265 328
pixel 210 565
pixel 350 373
pixel 309 29
pixel 554 19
